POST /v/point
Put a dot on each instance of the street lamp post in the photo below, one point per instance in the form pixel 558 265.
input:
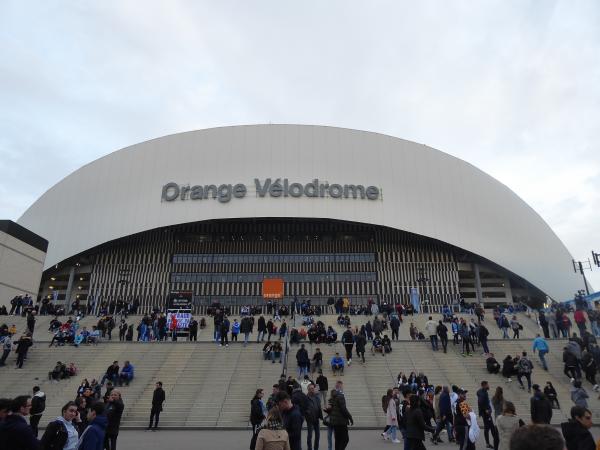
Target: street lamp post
pixel 578 265
pixel 423 280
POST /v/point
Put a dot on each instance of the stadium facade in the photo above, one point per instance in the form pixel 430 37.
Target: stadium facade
pixel 334 212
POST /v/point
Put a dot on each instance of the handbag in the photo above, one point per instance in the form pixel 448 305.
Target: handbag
pixel 327 421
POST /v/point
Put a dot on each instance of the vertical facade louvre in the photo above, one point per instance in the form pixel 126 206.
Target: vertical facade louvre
pixel 325 258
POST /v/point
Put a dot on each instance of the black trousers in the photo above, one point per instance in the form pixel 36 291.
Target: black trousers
pixel 20 359
pixel 340 434
pixel 394 334
pixel 416 444
pixel 224 340
pixel 34 421
pixel 488 425
pixel 348 348
pixel 154 415
pixel 444 341
pixel 110 441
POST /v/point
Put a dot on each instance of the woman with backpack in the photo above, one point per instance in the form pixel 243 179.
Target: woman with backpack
pixel 61 433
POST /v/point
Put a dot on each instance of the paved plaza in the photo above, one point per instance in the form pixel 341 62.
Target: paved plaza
pixel 236 439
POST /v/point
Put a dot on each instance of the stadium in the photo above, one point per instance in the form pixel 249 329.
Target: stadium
pixel 333 212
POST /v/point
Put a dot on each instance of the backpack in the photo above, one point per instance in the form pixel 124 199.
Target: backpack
pixel 524 365
pixel 57 436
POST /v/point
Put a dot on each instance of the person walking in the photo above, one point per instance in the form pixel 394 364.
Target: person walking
pixel 540 344
pixel 15 432
pixel 313 414
pixel 22 348
pixel 416 425
pixel 340 417
pixel 61 433
pixel 348 341
pixel 257 415
pixel 158 398
pixel 361 343
pixel 292 420
pixel 524 368
pixel 442 332
pixel 391 417
pixel 541 407
pixel 261 328
pixel 507 423
pixel 395 327
pixel 323 385
pixel 485 412
pixel 6 347
pixel 114 412
pixel 272 436
pixel 38 405
pixel 431 330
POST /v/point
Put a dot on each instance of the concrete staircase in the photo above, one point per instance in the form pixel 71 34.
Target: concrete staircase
pixel 208 386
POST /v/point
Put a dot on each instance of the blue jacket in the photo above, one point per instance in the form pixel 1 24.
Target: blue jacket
pixel 93 436
pixel 128 370
pixel 337 360
pixel 540 344
pixel 16 434
pixel 445 405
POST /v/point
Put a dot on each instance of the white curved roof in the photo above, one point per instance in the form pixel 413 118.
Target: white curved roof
pixel 423 191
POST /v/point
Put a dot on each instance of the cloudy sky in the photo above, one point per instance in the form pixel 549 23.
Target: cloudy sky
pixel 510 86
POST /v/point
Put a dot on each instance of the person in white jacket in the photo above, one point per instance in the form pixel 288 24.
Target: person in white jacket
pixel 391 418
pixel 431 330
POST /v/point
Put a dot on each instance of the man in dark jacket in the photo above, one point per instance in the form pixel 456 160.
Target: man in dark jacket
pixel 93 436
pixel 262 329
pixel 303 361
pixel 292 420
pixel 38 405
pixel 395 327
pixel 577 430
pixel 193 329
pixel 492 365
pixel 256 415
pixel 312 415
pixel 112 373
pixel 541 408
pixel 445 415
pixel 22 348
pixel 415 425
pixel 15 432
pixel 340 417
pixel 158 397
pixel 114 412
pixel 485 412
pixel 572 369
pixel 348 341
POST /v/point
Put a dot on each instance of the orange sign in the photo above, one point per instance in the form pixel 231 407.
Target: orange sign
pixel 272 288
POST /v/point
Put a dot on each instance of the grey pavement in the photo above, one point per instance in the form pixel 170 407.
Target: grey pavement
pixel 227 439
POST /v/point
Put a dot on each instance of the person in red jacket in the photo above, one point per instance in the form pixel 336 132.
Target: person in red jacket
pixel 580 320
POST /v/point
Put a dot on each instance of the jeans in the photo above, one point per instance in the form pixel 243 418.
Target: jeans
pixel 329 438
pixel 434 342
pixel 447 421
pixel 154 415
pixel 246 337
pixel 505 333
pixel 444 341
pixel 484 344
pixel 595 329
pixel 541 354
pixel 312 427
pixel 555 330
pixel 392 431
pixel 4 356
pixel 261 336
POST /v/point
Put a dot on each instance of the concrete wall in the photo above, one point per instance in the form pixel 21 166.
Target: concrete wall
pixel 21 268
pixel 423 191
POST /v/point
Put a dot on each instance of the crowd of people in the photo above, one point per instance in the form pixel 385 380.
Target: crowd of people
pixel 89 422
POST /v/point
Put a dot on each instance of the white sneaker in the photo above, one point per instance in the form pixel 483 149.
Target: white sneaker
pixel 349 361
pixel 596 387
pixel 396 441
pixel 509 380
pixel 572 380
pixel 384 436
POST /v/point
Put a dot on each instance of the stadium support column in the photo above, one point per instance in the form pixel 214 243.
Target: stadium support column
pixel 477 283
pixel 69 290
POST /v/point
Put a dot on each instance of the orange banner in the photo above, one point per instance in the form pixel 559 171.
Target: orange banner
pixel 272 288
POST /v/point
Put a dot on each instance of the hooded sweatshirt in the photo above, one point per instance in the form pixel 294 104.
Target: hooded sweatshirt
pixel 93 436
pixel 579 396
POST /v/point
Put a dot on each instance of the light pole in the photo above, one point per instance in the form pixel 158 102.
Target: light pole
pixel 578 265
pixel 596 257
pixel 423 280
